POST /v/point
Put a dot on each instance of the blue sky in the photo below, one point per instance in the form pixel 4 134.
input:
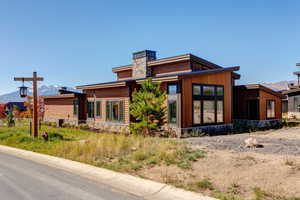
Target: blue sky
pixel 73 42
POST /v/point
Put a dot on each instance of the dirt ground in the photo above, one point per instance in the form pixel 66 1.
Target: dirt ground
pixel 236 170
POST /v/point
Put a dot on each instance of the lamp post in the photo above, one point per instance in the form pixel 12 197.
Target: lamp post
pixel 23 93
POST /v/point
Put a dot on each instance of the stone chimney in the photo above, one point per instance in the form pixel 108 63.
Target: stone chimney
pixel 140 59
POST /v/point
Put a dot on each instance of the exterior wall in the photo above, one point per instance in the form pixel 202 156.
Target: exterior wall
pixel 123 75
pixel 103 95
pixel 196 66
pixel 241 96
pixel 59 108
pixel 263 97
pixel 293 107
pixel 171 68
pixel 223 78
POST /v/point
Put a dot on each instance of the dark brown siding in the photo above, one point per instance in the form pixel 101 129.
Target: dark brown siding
pixel 223 78
pixel 109 92
pixel 241 97
pixel 264 96
pixel 126 74
pixel 171 68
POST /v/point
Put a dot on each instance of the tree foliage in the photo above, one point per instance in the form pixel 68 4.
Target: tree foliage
pixel 148 108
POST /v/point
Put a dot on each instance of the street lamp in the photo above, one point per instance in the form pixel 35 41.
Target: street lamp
pixel 23 90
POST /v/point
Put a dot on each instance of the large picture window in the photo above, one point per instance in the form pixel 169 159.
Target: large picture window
pixel 270 109
pixel 115 111
pixel 208 104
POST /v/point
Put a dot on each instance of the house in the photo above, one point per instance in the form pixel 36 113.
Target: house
pixel 293 98
pixel 257 105
pixel 2 110
pixel 199 94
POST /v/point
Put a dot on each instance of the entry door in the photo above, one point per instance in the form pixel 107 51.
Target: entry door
pixel 253 109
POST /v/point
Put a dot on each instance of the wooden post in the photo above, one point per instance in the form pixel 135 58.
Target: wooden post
pixel 35 107
pixel 35 117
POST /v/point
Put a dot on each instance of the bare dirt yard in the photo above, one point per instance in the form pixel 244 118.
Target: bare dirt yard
pixel 232 171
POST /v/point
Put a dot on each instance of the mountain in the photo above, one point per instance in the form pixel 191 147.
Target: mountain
pixel 280 86
pixel 42 91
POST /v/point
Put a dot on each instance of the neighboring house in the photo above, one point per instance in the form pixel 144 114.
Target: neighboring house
pixel 293 98
pixel 199 94
pixel 10 105
pixel 257 104
pixel 2 110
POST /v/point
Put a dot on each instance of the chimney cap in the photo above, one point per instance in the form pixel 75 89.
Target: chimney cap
pixel 151 55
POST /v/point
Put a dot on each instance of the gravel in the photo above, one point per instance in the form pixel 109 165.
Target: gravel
pixel 272 142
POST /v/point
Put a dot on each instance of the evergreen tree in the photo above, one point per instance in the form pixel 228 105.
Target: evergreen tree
pixel 148 108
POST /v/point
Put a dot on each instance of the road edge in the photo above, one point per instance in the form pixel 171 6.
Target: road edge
pixel 140 187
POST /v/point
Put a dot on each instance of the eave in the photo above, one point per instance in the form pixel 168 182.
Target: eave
pixel 60 96
pixel 102 85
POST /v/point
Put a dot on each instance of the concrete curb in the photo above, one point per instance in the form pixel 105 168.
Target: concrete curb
pixel 123 182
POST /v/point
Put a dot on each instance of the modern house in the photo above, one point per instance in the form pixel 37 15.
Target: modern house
pixel 199 94
pixel 293 98
pixel 257 105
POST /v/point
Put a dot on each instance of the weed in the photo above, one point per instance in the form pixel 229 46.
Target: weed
pixel 205 184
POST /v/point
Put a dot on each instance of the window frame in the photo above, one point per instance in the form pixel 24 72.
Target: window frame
pixel 98 115
pixel 202 98
pixel 87 106
pixel 121 111
pixel 270 100
pixel 76 107
pixel 169 113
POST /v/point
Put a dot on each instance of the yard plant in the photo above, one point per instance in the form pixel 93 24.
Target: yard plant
pixel 148 108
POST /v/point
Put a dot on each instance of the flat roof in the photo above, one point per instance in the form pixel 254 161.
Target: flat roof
pixel 59 96
pixel 171 59
pixel 159 77
pixel 262 87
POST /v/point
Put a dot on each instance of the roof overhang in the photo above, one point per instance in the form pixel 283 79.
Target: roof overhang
pixel 261 87
pixel 102 85
pixel 61 96
pixel 122 68
pixel 209 71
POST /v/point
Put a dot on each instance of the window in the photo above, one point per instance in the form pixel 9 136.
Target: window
pixel 208 90
pixel 91 109
pixel 220 110
pixel 115 111
pixel 220 91
pixel 75 107
pixel 98 109
pixel 270 109
pixel 197 90
pixel 172 108
pixel 197 112
pixel 208 104
pixel 172 88
pixel 208 111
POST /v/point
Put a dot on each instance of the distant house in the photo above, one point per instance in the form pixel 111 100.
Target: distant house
pixel 2 110
pixel 200 95
pixel 20 105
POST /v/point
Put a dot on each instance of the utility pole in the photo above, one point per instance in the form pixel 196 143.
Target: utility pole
pixel 23 92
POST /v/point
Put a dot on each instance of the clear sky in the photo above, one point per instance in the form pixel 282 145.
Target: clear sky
pixel 73 42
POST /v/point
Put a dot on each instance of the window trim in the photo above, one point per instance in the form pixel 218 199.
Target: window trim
pixel 201 98
pixel 270 100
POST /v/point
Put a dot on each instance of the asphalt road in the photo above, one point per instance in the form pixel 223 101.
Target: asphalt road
pixel 25 180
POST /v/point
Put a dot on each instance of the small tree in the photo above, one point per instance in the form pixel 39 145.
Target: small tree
pixel 10 119
pixel 148 108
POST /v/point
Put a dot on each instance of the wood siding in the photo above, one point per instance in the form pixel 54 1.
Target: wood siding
pixel 177 67
pixel 60 108
pixel 264 96
pixel 223 78
pixel 123 75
